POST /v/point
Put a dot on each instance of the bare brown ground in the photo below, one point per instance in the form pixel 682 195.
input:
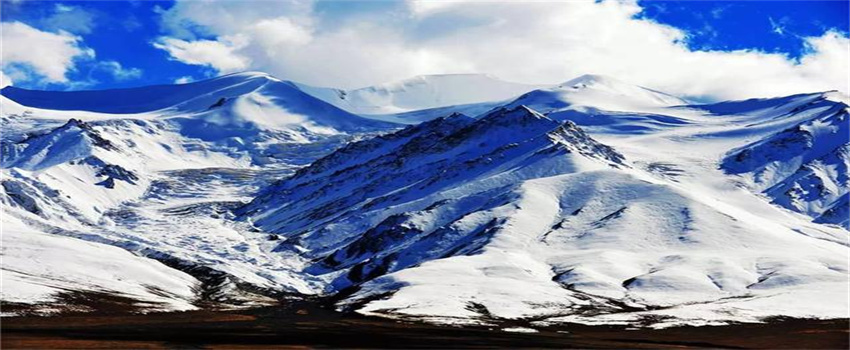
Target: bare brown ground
pixel 299 325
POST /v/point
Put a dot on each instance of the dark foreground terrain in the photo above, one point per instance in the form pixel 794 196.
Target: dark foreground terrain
pixel 305 325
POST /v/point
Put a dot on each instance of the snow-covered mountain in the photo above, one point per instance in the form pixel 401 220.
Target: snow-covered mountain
pixel 122 137
pixel 420 161
pixel 803 167
pixel 593 201
pixel 112 166
pixel 515 215
pixel 597 92
pixel 235 105
pixel 407 100
pixel 605 104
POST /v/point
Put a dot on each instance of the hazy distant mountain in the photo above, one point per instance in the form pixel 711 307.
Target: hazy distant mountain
pixel 421 93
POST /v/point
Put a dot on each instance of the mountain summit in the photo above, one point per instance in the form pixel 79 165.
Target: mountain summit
pixel 597 92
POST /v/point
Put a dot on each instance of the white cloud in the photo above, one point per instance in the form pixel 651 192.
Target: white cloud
pixel 5 80
pixel 207 17
pixel 50 55
pixel 279 31
pixel 33 56
pixel 184 80
pixel 219 54
pixel 535 42
pixel 118 71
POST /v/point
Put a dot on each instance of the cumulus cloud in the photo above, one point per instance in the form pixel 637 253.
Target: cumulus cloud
pixel 191 19
pixel 118 71
pixel 533 42
pixel 37 57
pixel 220 54
pixel 50 55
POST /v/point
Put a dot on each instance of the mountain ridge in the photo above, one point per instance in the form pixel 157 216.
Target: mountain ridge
pixel 594 201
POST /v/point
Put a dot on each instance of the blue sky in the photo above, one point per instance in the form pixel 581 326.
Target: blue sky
pixel 119 31
pixel 772 26
pixel 123 44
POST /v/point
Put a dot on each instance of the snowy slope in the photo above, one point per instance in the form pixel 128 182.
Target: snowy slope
pixel 594 201
pixel 798 160
pixel 75 165
pixel 802 167
pixel 104 166
pixel 248 100
pixel 40 267
pixel 596 91
pixel 441 153
pixel 421 93
pixel 372 206
pixel 604 104
pixel 515 215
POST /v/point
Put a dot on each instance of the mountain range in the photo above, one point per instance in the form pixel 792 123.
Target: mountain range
pixel 448 198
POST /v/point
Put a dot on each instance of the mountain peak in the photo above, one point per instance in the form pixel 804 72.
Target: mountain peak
pixel 597 92
pixel 520 122
pixel 590 79
pixel 571 136
pixel 521 114
pixel 73 140
pixel 602 82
